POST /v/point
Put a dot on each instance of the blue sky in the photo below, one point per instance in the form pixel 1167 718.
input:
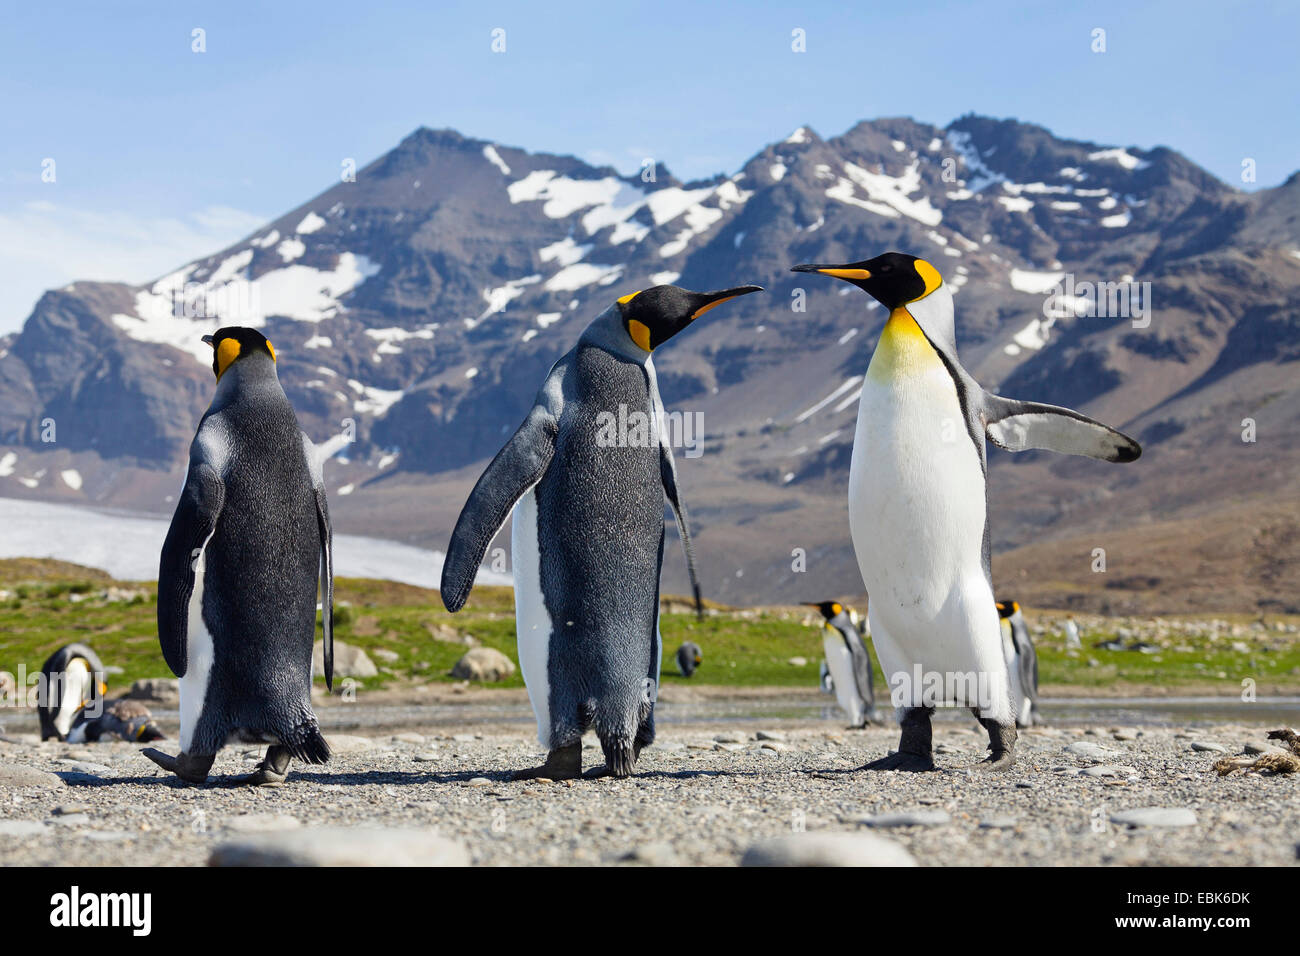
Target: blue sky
pixel 162 154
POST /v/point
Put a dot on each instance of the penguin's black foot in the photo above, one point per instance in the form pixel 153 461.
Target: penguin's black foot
pixel 562 763
pixel 620 758
pixel 997 761
pixel 1002 746
pixel 191 769
pixel 915 748
pixel 271 772
pixel 902 760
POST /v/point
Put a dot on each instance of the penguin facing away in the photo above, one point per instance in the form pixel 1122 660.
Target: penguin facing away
pixel 237 580
pixel 689 657
pixel 588 532
pixel 848 665
pixel 917 484
pixel 71 691
pixel 1022 663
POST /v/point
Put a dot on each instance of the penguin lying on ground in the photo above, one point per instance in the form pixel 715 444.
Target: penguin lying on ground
pixel 848 664
pixel 918 506
pixel 1022 663
pixel 689 657
pixel 239 570
pixel 72 685
pixel 588 532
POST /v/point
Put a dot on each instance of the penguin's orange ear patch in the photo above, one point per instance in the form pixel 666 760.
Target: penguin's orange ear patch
pixel 640 333
pixel 270 348
pixel 227 352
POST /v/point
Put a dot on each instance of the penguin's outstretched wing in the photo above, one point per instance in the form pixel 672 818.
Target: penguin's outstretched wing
pixel 668 474
pixel 1018 426
pixel 516 468
pixel 195 519
pixel 862 669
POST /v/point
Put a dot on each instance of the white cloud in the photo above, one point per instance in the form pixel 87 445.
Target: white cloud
pixel 45 245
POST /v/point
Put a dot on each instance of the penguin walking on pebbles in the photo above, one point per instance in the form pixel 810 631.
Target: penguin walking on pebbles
pixel 847 663
pixel 918 506
pixel 587 475
pixel 237 581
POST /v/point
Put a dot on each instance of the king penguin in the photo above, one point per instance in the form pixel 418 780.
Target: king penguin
pixel 918 506
pixel 847 663
pixel 586 475
pixel 689 657
pixel 1022 663
pixel 71 690
pixel 237 581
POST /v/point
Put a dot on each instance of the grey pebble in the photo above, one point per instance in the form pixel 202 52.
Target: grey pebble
pixel 907 818
pixel 19 775
pixel 1208 746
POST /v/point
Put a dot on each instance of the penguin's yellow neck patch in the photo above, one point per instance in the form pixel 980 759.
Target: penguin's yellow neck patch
pixel 227 352
pixel 902 350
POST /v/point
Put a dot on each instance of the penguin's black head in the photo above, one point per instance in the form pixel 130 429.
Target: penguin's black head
pixel 829 609
pixel 892 279
pixel 233 343
pixel 653 316
pixel 1007 608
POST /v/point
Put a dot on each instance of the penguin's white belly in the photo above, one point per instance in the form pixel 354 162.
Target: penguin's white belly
pixel 840 664
pixel 199 657
pixel 532 621
pixel 75 687
pixel 917 514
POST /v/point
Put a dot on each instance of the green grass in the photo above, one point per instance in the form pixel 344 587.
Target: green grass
pixel 45 604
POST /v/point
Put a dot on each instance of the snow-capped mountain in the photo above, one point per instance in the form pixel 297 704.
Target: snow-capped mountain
pixel 421 305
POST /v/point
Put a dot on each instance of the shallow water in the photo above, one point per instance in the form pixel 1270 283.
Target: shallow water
pixel 1094 711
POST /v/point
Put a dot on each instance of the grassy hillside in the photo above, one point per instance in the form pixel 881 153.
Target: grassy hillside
pixel 45 604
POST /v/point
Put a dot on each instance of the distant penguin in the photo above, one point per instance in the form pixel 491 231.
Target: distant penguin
pixel 237 581
pixel 1022 663
pixel 1072 641
pixel 689 657
pixel 918 506
pixel 847 663
pixel 72 685
pixel 587 474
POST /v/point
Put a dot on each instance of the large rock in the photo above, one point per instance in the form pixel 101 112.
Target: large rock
pixel 18 775
pixel 484 664
pixel 349 661
pixel 828 849
pixel 1155 817
pixel 342 846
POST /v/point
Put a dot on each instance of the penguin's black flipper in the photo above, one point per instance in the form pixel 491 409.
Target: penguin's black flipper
pixel 668 474
pixel 516 468
pixel 326 584
pixel 195 519
pixel 1018 426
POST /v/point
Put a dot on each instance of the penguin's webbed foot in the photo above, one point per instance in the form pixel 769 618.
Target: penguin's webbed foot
pixel 191 769
pixel 1002 746
pixel 915 748
pixel 271 772
pixel 562 763
pixel 902 760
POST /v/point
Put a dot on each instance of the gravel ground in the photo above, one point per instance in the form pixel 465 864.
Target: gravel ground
pixel 705 794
